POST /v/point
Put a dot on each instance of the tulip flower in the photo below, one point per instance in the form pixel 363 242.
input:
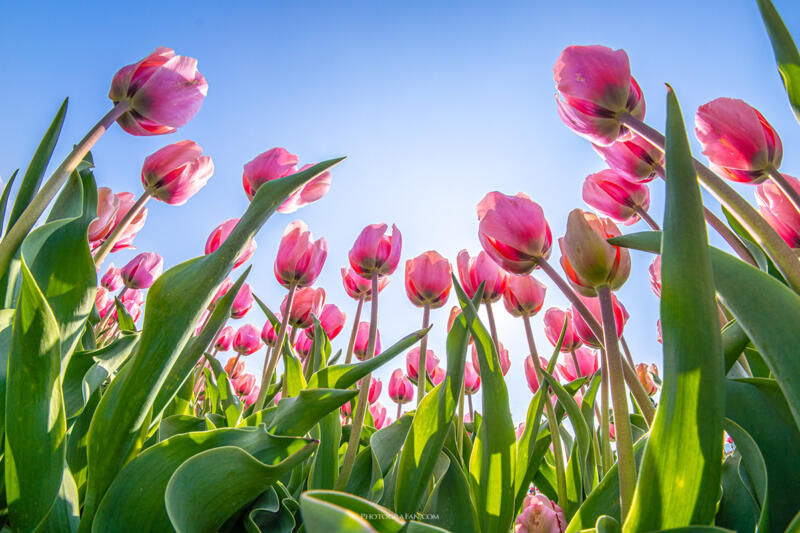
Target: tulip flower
pixel 163 90
pixel 554 323
pixel 595 87
pixel 243 302
pixel 513 231
pixel 309 193
pixel 375 253
pixel 428 280
pixel 375 387
pixel 244 384
pixel 107 206
pixel 401 391
pixel 142 271
pixel 378 413
pixel 586 361
pixel 112 280
pixel 588 259
pixel 524 295
pixel 124 237
pixel 300 258
pixel 347 411
pixel 655 275
pixel 268 333
pixel 132 295
pixel 637 160
pixel 251 398
pixel 472 271
pixel 278 163
pixel 331 319
pixel 593 304
pixel 778 211
pixel 361 346
pixel 540 515
pixel 247 340
pixel 438 375
pixel 531 375
pixel 176 172
pixel 234 367
pixel 412 363
pixel 218 236
pixel 502 354
pixel 307 301
pixel 643 373
pixel 472 378
pixel 358 287
pixel 103 301
pixel 224 339
pixel 303 344
pixel 616 197
pixel 520 430
pixel 223 289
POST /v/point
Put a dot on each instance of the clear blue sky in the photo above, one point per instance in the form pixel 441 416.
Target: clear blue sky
pixel 434 103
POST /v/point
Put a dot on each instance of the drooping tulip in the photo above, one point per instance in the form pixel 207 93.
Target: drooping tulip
pixel 141 271
pixel 218 236
pixel 655 275
pixel 303 344
pixel 247 340
pixel 428 280
pixel 616 197
pixel 540 515
pixel 412 362
pixel 331 319
pixel 300 258
pixel 307 301
pixel 637 160
pixel 643 373
pixel 778 211
pixel 358 287
pixel 125 238
pixel 375 387
pixel 379 417
pixel 112 280
pixel 513 231
pixel 243 301
pixel 524 295
pixel 472 271
pixel 362 342
pixel 595 87
pixel 234 367
pixel 308 193
pixel 738 141
pixel 401 391
pixel 164 92
pixel 472 379
pixel 587 364
pixel 375 253
pixel 588 260
pixel 502 354
pixel 269 334
pixel 107 207
pixel 224 339
pixel 176 172
pixel 273 164
pixel 554 323
pixel 593 304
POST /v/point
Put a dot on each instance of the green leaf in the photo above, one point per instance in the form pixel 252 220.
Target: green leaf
pixel 271 512
pixel 236 477
pixel 737 508
pixel 6 323
pixel 451 502
pixel 325 468
pixel 786 54
pixel 296 416
pixel 124 318
pixel 325 511
pixel 366 479
pixel 4 198
pixel 177 424
pixel 175 303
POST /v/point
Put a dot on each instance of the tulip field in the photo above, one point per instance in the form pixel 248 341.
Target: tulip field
pixel 129 406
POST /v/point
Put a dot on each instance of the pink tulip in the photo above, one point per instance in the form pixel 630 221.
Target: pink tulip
pixel 243 302
pixel 412 362
pixel 513 231
pixel 428 280
pixel 659 337
pixel 520 430
pixel 472 379
pixel 438 375
pixel 271 165
pixel 164 91
pixel 778 211
pixel 112 280
pixel 247 340
pixel 269 334
pixel 251 398
pixel 401 391
pixel 358 287
pixel 375 253
pixel 126 236
pixel 303 344
pixel 132 295
pixel 300 258
pixel 612 431
pixel 142 271
pixel 587 364
pixel 636 160
pixel 643 373
pixel 612 194
pixel 595 86
pixel 308 193
pixel 104 301
pixel 332 320
pixel 347 410
pixel 502 353
pixel 378 413
pixel 530 375
pixel 524 295
pixel 234 371
pixel 593 304
pixel 738 141
pixel 307 301
pixel 244 384
pixel 218 236
pixel 362 342
pixel 554 323
pixel 540 515
pixel 472 271
pixel 176 172
pixel 375 387
pixel 224 339
pixel 223 289
pixel 655 275
pixel 107 207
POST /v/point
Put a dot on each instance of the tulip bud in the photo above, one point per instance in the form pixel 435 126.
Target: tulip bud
pixel 243 302
pixel 587 364
pixel 362 342
pixel 378 413
pixel 141 271
pixel 375 387
pixel 524 295
pixel 112 280
pixel 428 280
pixel 247 340
pixel 616 197
pixel 164 91
pixel 271 165
pixel 358 287
pixel 303 344
pixel 554 323
pixel 107 207
pixel 307 301
pixel 300 258
pixel 269 334
pixel 347 410
pixel 176 172
pixel 374 253
pixel 540 515
pixel 224 339
pixel 636 160
pixel 472 271
pixel 644 378
pixel 218 236
pixel 331 319
pixel 472 379
pixel 502 353
pixel 400 389
pixel 412 363
pixel 593 304
pixel 655 275
pixel 234 371
pixel 778 210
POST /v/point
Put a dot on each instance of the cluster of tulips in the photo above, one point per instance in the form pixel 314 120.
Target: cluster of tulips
pixel 120 413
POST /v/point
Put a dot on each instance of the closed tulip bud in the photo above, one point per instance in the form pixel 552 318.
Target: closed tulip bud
pixel 401 391
pixel 346 409
pixel 472 379
pixel 308 193
pixel 616 197
pixel 636 160
pixel 103 301
pixel 247 341
pixel 554 323
pixel 502 353
pixel 271 165
pixel 655 275
pixel 540 515
pixel 375 387
pixel 586 256
pixel 358 287
pixel 300 258
pixel 243 302
pixel 378 413
pixel 524 295
pixel 234 371
pixel 438 375
pixel 269 334
pixel 362 342
pixel 738 141
pixel 303 344
pixel 513 231
pixel 412 363
pixel 642 372
pixel 218 236
pixel 472 271
pixel 244 384
pixel 126 236
pixel 164 92
pixel 428 280
pixel 176 172
pixel 778 211
pixel 375 253
pixel 331 319
pixel 107 207
pixel 141 271
pixel 307 301
pixel 593 304
pixel 587 365
pixel 112 280
pixel 224 339
pixel 595 87
pixel 223 289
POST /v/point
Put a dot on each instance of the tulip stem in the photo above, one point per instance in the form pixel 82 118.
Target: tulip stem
pixel 783 257
pixel 492 326
pixel 605 429
pixel 399 411
pixel 555 436
pixel 271 361
pixel 471 411
pixel 619 399
pixel 626 350
pixel 235 362
pixel 15 235
pixel 460 423
pixel 352 343
pixel 363 394
pixel 108 245
pixel 790 192
pixel 644 215
pixel 422 367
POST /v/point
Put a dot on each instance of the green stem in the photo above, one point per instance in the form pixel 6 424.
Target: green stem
pixel 605 430
pixel 354 332
pixel 460 423
pixel 422 368
pixel 105 248
pixel 272 361
pixel 492 326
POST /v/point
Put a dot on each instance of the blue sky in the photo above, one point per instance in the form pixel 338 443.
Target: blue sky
pixel 434 103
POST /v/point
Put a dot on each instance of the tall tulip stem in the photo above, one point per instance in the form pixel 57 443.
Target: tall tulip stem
pixel 644 215
pixel 492 326
pixel 108 245
pixel 351 345
pixel 605 429
pixel 422 368
pixel 790 192
pixel 271 362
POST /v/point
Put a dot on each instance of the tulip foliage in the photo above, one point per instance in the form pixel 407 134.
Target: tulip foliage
pixel 119 414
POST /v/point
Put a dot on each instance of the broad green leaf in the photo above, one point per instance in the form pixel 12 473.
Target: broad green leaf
pixel 177 424
pixel 450 501
pixel 296 416
pixel 77 442
pixel 786 54
pixel 325 468
pixel 272 512
pixel 65 513
pixel 679 478
pixel 737 508
pixel 325 511
pixel 236 478
pixel 366 479
pixel 386 443
pixel 175 304
pixel 6 321
pixel 295 381
pixel 4 198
